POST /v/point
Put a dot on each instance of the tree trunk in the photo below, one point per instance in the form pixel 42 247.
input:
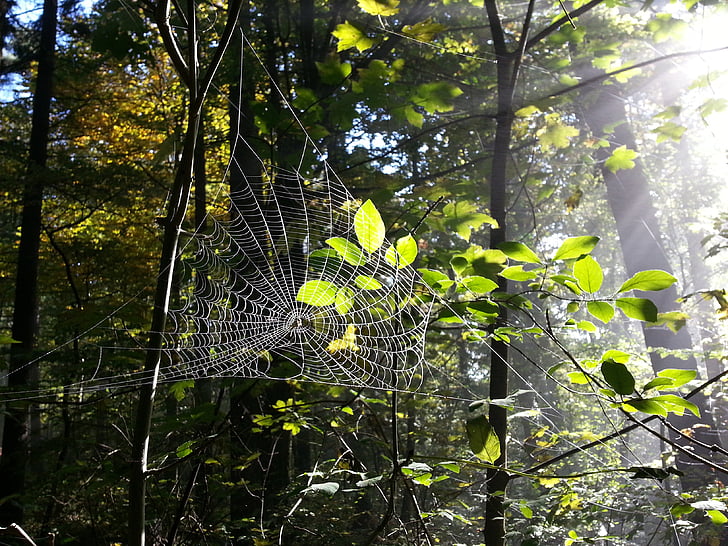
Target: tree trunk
pixel 640 238
pixel 23 372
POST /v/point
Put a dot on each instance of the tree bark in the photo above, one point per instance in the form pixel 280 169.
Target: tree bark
pixel 640 237
pixel 23 371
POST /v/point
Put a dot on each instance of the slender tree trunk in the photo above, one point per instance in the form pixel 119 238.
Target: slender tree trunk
pixel 25 313
pixel 640 238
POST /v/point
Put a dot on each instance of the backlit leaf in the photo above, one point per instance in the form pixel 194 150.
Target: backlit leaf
pixel 679 377
pixel 380 7
pixel 369 227
pixel 483 440
pixel 350 252
pixel 478 284
pixel 517 273
pixel 403 252
pixel 621 159
pixel 601 310
pixel 653 279
pixel 589 274
pixel 365 282
pixel 638 308
pixel 317 293
pixel 574 247
pixel 645 406
pixel 350 36
pixel 519 251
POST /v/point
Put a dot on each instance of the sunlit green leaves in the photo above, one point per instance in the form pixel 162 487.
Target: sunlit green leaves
pixel 555 134
pixel 574 247
pixel 403 252
pixel 365 282
pixel 600 310
pixel 519 251
pixel 589 274
pixel 618 377
pixel 436 96
pixel 317 293
pixel 351 36
pixel 380 7
pixel 638 308
pixel 484 442
pixel 369 227
pixel 344 300
pixel 478 284
pixel 424 31
pixel 662 405
pixel 621 159
pixel 350 252
pixel 648 280
pixel 463 217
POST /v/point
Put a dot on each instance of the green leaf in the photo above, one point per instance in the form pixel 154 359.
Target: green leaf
pixel 574 247
pixel 679 377
pixel 578 378
pixel 179 389
pixel 618 377
pixel 669 131
pixel 332 71
pixel 347 250
pixel 621 159
pixel 717 517
pixel 380 7
pixel 436 96
pixel 680 509
pixel 519 251
pixel 586 326
pixel 658 382
pixel 517 273
pixel 600 310
pixel 653 279
pixel 365 282
pixel 7 340
pixel 589 274
pixel 424 31
pixel 555 134
pixel 680 403
pixel 185 449
pixel 344 300
pixel 484 442
pixel 327 488
pixel 317 293
pixel 645 406
pixel 369 227
pixel 350 36
pixel 435 279
pixel 478 284
pixel 403 252
pixel 674 320
pixel 638 308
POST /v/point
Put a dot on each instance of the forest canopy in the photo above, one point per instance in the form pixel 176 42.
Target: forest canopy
pixel 363 272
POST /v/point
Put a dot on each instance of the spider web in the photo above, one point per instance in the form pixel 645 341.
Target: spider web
pixel 244 316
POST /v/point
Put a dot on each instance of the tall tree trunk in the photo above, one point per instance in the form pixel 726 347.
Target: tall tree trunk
pixel 25 313
pixel 640 238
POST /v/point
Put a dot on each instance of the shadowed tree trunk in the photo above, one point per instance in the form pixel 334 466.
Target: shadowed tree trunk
pixel 25 312
pixel 640 238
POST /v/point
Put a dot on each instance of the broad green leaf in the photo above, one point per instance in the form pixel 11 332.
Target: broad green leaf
pixel 601 310
pixel 185 449
pixel 435 279
pixel 478 284
pixel 645 406
pixel 574 247
pixel 617 356
pixel 424 31
pixel 344 300
pixel 403 252
pixel 350 252
pixel 369 227
pixel 638 308
pixel 350 36
pixel 589 274
pixel 657 383
pixel 678 377
pixel 674 320
pixel 517 273
pixel 653 279
pixel 681 509
pixel 669 131
pixel 586 326
pixel 572 307
pixel 179 388
pixel 380 7
pixel 436 96
pixel 483 440
pixel 519 251
pixel 674 400
pixel 555 134
pixel 317 293
pixel 621 159
pixel 7 340
pixel 717 517
pixel 618 377
pixel 578 378
pixel 365 282
pixel 327 488
pixel 332 71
